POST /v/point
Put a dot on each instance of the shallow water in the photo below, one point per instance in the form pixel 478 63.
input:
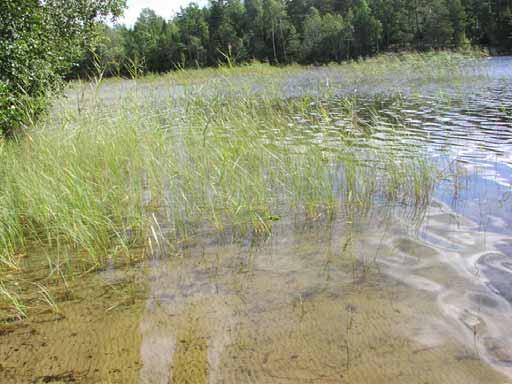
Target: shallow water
pixel 348 300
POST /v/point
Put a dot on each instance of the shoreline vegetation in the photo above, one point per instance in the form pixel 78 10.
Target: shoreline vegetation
pixel 44 43
pixel 110 176
pixel 255 191
pixel 233 32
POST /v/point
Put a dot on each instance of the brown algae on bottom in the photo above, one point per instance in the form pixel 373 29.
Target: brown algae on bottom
pixel 86 342
pixel 332 304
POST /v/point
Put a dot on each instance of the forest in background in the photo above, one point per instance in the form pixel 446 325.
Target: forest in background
pixel 295 31
pixel 43 42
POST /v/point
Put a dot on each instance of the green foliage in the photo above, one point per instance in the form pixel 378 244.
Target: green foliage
pixel 326 38
pixel 39 42
pixel 490 22
pixel 96 183
pixel 93 183
pixel 367 29
pixel 193 37
pixel 231 32
pixel 225 31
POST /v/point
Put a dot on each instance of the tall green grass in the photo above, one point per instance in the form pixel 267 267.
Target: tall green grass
pixel 93 185
pixel 89 185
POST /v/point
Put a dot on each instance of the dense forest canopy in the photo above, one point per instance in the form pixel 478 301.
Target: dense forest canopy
pixel 304 31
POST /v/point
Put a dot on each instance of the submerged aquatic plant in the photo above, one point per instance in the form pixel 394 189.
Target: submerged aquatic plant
pixel 13 300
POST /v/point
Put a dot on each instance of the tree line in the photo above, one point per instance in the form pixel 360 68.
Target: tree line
pixel 302 31
pixel 42 42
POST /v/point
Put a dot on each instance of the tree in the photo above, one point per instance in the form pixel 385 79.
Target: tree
pixel 458 22
pixel 438 28
pixel 147 33
pixel 193 36
pixel 326 37
pixel 367 29
pixel 226 31
pixel 168 47
pixel 397 25
pixel 313 36
pixel 297 11
pixel 255 29
pixel 281 39
pixel 337 35
pixel 490 22
pixel 39 42
pixel 107 54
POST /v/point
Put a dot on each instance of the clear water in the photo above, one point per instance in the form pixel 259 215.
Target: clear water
pixel 356 300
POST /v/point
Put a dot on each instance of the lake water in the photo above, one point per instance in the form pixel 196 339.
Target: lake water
pixel 383 298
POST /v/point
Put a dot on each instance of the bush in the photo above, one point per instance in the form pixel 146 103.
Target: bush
pixel 39 42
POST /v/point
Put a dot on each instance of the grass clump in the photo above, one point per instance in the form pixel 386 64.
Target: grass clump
pixel 89 185
pixel 82 189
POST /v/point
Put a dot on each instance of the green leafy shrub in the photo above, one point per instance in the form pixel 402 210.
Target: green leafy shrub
pixel 39 42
